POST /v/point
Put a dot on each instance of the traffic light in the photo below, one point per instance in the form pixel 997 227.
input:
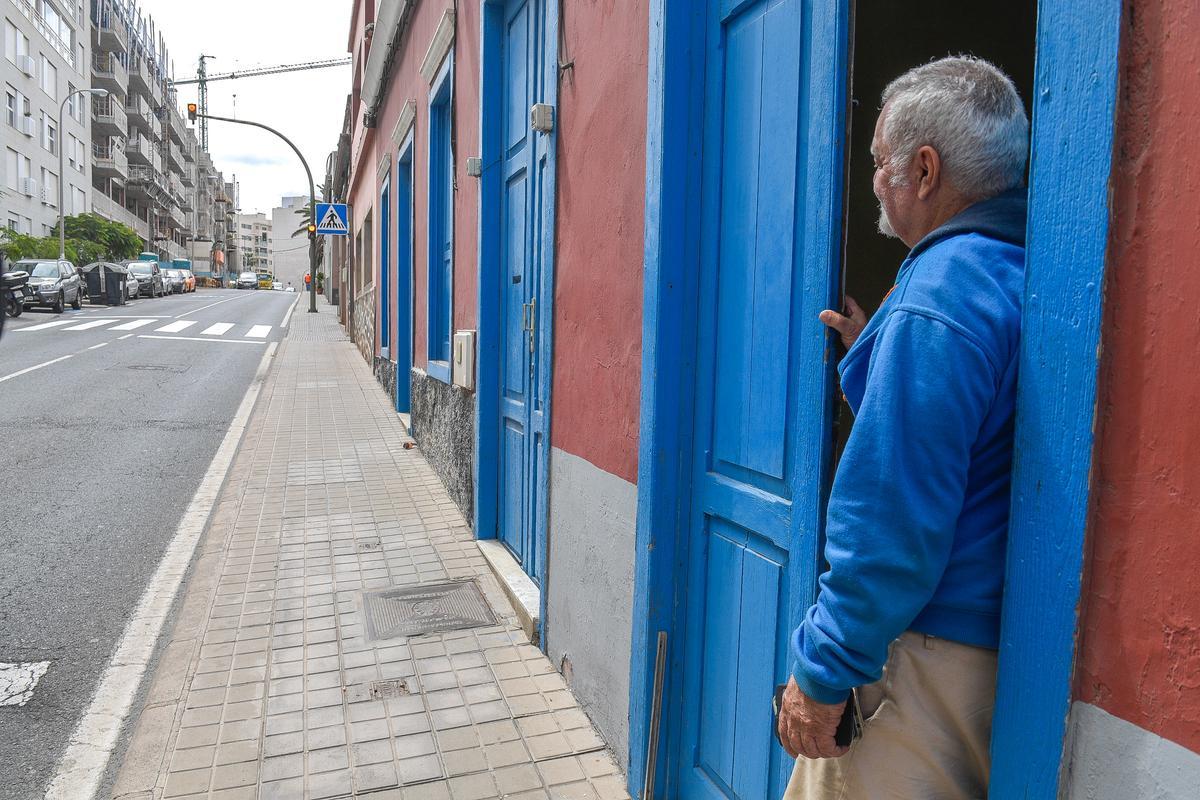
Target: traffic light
pixel 191 112
pixel 312 228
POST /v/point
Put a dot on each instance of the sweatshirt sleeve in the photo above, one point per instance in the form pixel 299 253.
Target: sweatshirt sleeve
pixel 896 499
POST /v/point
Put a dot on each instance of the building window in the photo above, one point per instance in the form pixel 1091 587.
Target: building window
pixel 79 201
pixel 50 187
pixel 10 106
pixel 441 222
pixel 49 134
pixel 49 78
pixel 15 43
pixel 11 162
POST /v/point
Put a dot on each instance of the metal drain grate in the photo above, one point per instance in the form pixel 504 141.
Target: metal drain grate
pixel 425 609
pixel 369 544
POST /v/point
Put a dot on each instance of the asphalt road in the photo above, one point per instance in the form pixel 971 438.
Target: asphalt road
pixel 101 453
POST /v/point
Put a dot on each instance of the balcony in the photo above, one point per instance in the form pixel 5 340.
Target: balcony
pixel 111 34
pixel 175 156
pixel 140 77
pixel 139 112
pixel 148 184
pixel 109 73
pixel 174 185
pixel 109 161
pixel 139 151
pixel 108 117
pixel 48 31
pixel 186 200
pixel 177 128
pixel 189 176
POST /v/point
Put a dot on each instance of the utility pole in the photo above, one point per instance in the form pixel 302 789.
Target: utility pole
pixel 312 194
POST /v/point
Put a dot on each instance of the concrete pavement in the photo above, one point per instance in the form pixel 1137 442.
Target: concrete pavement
pixel 341 635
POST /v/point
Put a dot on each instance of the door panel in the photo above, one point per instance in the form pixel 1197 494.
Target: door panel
pixel 522 252
pixel 744 576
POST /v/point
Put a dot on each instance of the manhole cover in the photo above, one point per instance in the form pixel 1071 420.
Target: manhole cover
pixel 425 609
pixel 386 690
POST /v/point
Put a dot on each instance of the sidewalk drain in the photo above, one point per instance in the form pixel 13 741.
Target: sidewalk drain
pixel 369 544
pixel 416 610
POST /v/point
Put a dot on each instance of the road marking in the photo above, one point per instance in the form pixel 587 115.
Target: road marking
pixel 95 323
pixel 220 329
pixel 126 336
pixel 17 681
pixel 197 339
pixel 85 760
pixel 98 346
pixel 288 315
pixel 175 327
pixel 133 326
pixel 43 326
pixel 259 332
pixel 21 372
pixel 201 308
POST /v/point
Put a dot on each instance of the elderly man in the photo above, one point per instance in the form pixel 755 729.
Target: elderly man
pixel 908 614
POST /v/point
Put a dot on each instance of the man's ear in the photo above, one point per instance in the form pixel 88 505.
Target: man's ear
pixel 927 166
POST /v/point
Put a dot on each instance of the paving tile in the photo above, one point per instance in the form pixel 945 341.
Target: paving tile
pixel 330 784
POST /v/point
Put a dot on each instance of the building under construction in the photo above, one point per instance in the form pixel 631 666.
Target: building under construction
pixel 148 171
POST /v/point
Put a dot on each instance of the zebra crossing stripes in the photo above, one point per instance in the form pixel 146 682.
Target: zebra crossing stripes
pixel 43 326
pixel 259 332
pixel 84 326
pixel 220 329
pixel 176 327
pixel 132 326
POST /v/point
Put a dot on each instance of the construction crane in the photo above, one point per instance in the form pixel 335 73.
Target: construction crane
pixel 203 79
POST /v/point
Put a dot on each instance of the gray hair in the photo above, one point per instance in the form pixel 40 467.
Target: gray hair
pixel 967 110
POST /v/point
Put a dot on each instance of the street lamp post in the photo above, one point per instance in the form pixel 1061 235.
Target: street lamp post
pixel 62 172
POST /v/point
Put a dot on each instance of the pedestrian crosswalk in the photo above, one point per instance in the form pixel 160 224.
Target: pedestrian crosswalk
pixel 158 325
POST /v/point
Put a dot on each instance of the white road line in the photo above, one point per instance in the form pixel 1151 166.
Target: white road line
pixel 220 329
pixel 201 308
pixel 98 346
pixel 21 372
pixel 95 323
pixel 17 681
pixel 288 315
pixel 132 326
pixel 197 339
pixel 126 336
pixel 86 758
pixel 259 332
pixel 43 326
pixel 176 327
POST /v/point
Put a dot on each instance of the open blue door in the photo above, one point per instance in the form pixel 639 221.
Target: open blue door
pixel 769 230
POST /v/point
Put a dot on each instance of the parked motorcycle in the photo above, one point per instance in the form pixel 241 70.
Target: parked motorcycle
pixel 14 290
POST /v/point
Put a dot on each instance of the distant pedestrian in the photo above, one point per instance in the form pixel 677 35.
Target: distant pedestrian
pixel 908 614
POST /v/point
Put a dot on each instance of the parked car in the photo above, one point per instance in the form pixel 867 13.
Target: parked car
pixel 149 277
pixel 247 280
pixel 277 286
pixel 173 281
pixel 54 284
pixel 133 286
pixel 189 279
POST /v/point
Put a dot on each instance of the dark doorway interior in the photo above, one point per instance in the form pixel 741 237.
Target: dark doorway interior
pixel 889 38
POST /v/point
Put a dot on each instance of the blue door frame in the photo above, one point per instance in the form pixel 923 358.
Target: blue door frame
pixel 1072 139
pixel 385 266
pixel 492 283
pixel 402 186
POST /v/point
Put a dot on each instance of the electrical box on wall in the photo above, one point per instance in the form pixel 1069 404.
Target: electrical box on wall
pixel 462 367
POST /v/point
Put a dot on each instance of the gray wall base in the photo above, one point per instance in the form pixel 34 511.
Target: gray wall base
pixel 443 425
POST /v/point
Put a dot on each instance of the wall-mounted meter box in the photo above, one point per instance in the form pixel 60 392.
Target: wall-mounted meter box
pixel 462 366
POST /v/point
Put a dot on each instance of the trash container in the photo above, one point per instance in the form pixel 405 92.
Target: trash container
pixel 114 278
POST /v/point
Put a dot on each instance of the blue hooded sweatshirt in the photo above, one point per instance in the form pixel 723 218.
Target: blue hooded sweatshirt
pixel 918 515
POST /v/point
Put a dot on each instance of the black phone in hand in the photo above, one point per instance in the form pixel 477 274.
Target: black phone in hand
pixel 849 727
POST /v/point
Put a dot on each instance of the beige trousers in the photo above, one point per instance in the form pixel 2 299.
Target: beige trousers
pixel 927 730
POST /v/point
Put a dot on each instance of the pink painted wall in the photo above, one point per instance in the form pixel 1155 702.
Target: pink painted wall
pixel 1139 654
pixel 598 258
pixel 404 83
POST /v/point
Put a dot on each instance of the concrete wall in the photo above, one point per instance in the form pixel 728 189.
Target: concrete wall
pixel 1111 759
pixel 289 254
pixel 589 627
pixel 1139 651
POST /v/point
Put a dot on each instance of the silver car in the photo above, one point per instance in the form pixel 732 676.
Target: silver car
pixel 54 283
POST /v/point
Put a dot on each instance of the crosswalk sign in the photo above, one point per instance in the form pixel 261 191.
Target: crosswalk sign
pixel 332 219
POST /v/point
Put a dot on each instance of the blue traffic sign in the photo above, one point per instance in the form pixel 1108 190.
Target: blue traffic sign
pixel 332 219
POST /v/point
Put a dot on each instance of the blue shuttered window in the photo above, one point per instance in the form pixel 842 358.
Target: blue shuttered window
pixel 441 222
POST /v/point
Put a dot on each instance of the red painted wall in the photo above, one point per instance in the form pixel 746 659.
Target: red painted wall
pixel 405 82
pixel 1139 655
pixel 598 249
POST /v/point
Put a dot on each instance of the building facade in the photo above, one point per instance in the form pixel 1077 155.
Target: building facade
pixel 254 242
pixel 289 252
pixel 587 249
pixel 47 51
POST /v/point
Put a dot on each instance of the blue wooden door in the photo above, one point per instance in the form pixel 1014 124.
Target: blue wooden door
pixel 761 392
pixel 522 254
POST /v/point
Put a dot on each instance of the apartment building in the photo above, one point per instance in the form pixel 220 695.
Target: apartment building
pixel 46 55
pixel 148 170
pixel 254 242
pixel 289 252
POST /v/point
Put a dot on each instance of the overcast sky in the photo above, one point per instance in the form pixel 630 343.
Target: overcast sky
pixel 306 106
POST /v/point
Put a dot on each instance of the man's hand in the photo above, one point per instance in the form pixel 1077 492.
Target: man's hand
pixel 848 326
pixel 806 727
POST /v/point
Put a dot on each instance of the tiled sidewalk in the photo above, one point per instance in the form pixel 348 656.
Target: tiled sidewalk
pixel 270 685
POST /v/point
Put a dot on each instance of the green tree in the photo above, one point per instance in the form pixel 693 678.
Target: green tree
pixel 90 238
